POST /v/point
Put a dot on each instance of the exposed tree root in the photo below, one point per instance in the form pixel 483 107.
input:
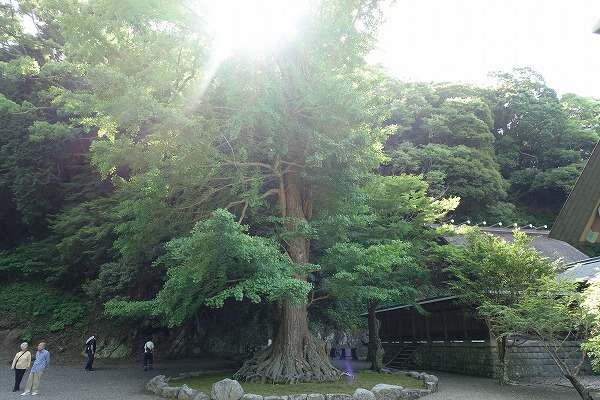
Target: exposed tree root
pixel 274 365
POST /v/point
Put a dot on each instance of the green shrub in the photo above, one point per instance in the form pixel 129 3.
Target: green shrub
pixel 27 335
pixel 39 308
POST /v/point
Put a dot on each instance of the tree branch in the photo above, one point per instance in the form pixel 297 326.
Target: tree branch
pixel 249 164
pixel 317 299
pixel 243 214
pixel 234 203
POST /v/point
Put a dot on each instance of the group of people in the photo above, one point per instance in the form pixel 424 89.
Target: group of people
pixel 22 361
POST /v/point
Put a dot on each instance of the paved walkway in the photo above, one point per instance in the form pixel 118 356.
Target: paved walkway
pixel 125 381
pixel 459 387
pixel 109 380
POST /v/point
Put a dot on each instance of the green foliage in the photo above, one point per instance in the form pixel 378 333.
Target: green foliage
pixel 218 261
pixel 516 291
pixel 457 171
pixel 592 346
pixel 592 306
pixel 30 259
pixel 542 140
pixel 42 130
pixel 119 138
pixel 517 144
pixel 382 257
pixel 384 273
pixel 445 135
pixel 551 310
pixel 399 206
pixel 27 335
pixel 584 111
pixel 40 308
pixel 489 270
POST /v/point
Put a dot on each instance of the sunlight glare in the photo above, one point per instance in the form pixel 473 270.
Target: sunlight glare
pixel 245 27
pixel 254 26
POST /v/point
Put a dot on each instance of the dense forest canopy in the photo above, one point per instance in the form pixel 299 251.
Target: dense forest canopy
pixel 138 175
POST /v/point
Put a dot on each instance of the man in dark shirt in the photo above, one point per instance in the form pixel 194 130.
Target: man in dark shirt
pixel 90 351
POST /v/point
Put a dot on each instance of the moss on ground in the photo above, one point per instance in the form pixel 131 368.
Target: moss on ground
pixel 364 379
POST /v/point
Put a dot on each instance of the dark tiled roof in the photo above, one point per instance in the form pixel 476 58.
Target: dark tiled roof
pixel 552 248
pixel 580 205
pixel 582 271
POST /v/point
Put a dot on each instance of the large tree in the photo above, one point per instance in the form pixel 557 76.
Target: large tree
pixel 554 313
pixel 383 258
pixel 268 135
pixel 444 132
pixel 490 271
pixel 542 141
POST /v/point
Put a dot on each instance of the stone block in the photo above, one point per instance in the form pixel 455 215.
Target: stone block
pixel 338 396
pixel 315 396
pixel 227 389
pixel 414 374
pixel 363 394
pixel 156 384
pixel 299 396
pixel 387 392
pixel 201 396
pixel 414 394
pixel 431 386
pixel 186 393
pixel 169 392
pixel 251 396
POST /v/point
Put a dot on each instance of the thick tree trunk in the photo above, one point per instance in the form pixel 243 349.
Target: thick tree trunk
pixel 501 347
pixel 375 354
pixel 581 389
pixel 569 373
pixel 296 355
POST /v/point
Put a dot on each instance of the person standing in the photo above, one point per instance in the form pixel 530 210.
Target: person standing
pixel 42 361
pixel 20 363
pixel 148 355
pixel 90 351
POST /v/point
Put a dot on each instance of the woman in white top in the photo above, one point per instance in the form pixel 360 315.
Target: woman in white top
pixel 20 363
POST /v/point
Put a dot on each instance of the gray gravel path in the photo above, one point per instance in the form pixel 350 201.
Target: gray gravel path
pixel 124 380
pixel 459 387
pixel 109 381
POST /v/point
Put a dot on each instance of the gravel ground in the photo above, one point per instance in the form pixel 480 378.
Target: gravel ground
pixel 125 381
pixel 591 381
pixel 109 380
pixel 459 387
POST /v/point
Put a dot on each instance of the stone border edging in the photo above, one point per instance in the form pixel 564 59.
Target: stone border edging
pixel 228 389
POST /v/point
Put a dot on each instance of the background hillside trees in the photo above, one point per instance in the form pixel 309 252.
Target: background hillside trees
pixel 120 137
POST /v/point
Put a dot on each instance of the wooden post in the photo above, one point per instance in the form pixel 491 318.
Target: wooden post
pixel 413 325
pixel 445 327
pixel 465 330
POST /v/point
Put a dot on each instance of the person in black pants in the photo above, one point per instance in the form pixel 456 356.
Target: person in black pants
pixel 18 378
pixel 20 363
pixel 148 355
pixel 90 351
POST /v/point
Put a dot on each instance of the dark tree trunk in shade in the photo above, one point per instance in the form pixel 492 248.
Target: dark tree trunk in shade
pixel 375 355
pixel 295 355
pixel 582 390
